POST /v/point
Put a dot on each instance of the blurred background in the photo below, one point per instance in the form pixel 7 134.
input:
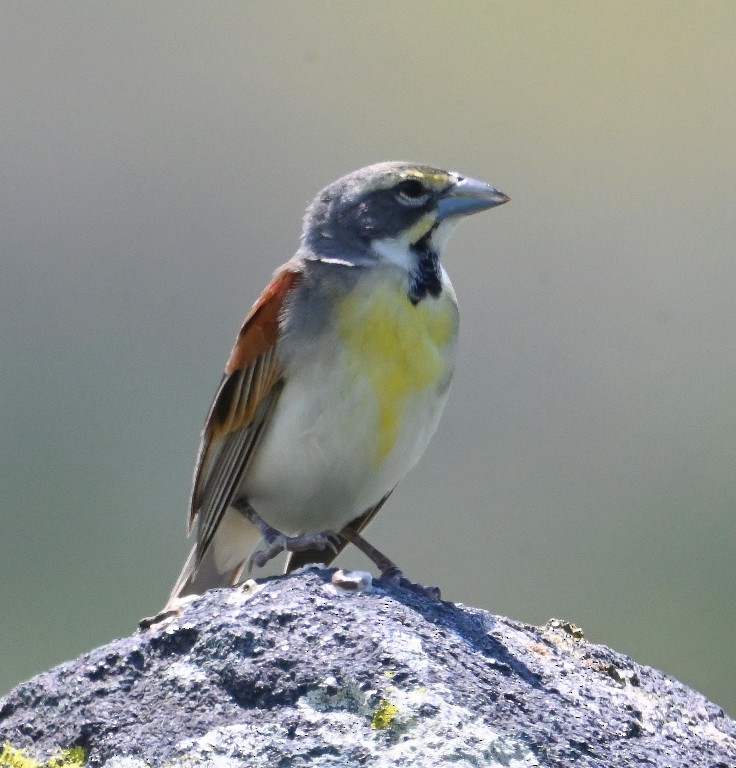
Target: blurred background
pixel 155 163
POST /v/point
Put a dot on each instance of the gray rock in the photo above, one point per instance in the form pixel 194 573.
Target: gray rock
pixel 300 671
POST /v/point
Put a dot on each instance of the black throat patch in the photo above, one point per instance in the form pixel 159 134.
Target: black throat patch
pixel 426 278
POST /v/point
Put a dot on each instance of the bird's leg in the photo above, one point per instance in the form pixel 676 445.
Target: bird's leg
pixel 390 572
pixel 278 542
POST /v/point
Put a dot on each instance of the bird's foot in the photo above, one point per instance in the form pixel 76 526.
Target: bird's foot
pixel 394 576
pixel 390 572
pixel 279 542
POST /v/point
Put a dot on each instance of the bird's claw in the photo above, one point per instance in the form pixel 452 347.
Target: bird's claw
pixel 393 575
pixel 283 543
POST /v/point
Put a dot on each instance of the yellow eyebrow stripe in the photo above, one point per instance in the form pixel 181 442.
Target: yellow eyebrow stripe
pixel 437 179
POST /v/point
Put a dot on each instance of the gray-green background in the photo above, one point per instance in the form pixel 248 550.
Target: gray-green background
pixel 155 160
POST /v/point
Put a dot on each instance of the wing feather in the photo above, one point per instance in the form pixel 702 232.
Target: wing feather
pixel 241 383
pixel 240 410
pixel 236 456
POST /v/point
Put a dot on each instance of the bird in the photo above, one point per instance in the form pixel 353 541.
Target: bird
pixel 337 379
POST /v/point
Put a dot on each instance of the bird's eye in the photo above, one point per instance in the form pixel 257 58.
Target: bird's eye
pixel 412 192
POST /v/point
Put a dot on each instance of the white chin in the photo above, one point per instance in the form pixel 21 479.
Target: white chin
pixel 398 251
pixel 442 234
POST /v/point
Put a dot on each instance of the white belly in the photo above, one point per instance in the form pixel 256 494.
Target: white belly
pixel 315 468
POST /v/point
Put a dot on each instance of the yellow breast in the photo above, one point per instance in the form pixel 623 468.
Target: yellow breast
pixel 400 348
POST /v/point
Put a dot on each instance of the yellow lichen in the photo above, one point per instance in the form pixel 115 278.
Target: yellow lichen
pixel 384 715
pixel 12 757
pixel 67 758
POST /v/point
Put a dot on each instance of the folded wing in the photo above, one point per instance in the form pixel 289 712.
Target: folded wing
pixel 240 411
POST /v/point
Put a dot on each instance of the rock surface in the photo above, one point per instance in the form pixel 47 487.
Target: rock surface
pixel 300 671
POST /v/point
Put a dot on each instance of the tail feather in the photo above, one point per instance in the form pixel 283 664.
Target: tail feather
pixel 222 562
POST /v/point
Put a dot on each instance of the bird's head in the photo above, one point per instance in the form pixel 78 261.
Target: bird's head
pixel 380 212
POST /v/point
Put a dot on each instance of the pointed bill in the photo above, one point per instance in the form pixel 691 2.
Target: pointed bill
pixel 468 196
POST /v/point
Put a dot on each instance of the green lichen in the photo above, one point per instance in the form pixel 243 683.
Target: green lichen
pixel 12 757
pixel 384 715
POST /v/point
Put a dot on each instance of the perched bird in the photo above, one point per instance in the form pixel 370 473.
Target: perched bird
pixel 337 379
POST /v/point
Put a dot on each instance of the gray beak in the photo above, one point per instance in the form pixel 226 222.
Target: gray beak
pixel 468 196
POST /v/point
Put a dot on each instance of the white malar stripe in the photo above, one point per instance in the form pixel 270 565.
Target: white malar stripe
pixel 396 250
